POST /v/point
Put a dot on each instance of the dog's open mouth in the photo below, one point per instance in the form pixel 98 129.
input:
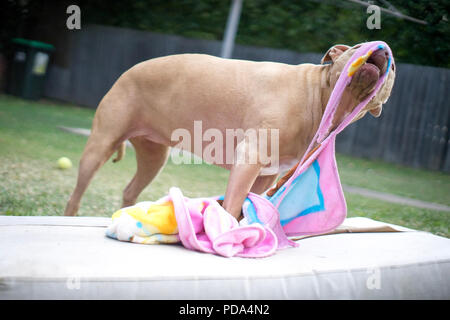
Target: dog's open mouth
pixel 379 59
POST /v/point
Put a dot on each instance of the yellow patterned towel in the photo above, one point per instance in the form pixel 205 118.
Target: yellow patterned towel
pixel 146 222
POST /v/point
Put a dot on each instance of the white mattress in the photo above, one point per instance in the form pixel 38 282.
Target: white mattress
pixel 70 258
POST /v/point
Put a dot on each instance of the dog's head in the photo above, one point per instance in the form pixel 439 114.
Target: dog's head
pixel 364 80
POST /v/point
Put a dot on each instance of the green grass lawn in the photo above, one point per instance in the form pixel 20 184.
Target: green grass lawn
pixel 31 183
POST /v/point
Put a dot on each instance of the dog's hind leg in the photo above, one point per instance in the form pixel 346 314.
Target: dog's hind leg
pixel 150 158
pixel 99 148
pixel 108 132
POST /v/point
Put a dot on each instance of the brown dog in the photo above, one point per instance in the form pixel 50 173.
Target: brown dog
pixel 154 98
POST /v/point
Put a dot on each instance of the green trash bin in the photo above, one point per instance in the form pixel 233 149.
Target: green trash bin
pixel 29 68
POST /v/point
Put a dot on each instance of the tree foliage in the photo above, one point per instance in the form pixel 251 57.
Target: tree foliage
pixel 305 26
pixel 299 25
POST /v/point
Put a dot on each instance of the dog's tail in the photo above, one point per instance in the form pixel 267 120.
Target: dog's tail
pixel 120 152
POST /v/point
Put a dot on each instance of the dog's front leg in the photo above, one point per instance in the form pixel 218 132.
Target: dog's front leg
pixel 262 183
pixel 243 174
pixel 242 178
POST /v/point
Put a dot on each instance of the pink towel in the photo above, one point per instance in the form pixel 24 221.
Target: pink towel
pixel 311 201
pixel 203 225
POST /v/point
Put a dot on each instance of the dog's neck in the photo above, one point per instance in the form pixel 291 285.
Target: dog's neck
pixel 325 89
pixel 323 84
pixel 326 86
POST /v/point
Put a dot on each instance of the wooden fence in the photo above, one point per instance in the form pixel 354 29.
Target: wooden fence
pixel 412 130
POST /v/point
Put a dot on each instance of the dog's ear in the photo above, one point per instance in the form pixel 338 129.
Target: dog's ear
pixel 334 52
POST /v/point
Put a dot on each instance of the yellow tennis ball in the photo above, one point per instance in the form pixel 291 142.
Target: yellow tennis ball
pixel 64 163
